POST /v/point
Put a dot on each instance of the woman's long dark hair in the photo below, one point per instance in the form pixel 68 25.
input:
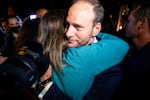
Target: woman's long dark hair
pixel 51 36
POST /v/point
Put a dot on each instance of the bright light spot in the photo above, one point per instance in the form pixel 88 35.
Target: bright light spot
pixel 120 27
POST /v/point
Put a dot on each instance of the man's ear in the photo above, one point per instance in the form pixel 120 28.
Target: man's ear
pixel 97 29
pixel 142 24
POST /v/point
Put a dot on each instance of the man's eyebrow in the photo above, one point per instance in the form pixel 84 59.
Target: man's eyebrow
pixel 77 25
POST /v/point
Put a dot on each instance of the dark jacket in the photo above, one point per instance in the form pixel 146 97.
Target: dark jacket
pixel 103 88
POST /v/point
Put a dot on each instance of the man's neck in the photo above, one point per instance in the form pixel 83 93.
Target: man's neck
pixel 141 41
pixel 93 40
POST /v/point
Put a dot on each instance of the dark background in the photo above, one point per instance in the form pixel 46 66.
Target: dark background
pixel 24 7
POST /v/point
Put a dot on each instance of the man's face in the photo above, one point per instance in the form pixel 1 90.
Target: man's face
pixel 131 27
pixel 79 28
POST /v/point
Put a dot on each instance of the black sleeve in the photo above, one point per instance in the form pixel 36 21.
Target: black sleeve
pixel 105 84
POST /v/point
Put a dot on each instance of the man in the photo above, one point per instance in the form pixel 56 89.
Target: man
pixel 82 31
pixel 137 82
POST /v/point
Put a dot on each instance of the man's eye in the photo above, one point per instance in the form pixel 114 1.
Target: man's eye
pixel 78 27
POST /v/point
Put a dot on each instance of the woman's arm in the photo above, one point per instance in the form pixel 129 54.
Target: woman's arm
pixel 83 63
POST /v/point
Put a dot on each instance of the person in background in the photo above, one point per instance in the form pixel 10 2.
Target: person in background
pixel 135 84
pixel 2 45
pixel 23 67
pixel 88 51
pixel 27 33
pixel 40 12
pixel 14 25
pixel 2 40
pixel 4 26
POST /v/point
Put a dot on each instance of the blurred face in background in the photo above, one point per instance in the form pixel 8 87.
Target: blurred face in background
pixel 131 25
pixel 13 24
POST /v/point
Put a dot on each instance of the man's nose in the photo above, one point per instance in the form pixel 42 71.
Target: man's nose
pixel 69 31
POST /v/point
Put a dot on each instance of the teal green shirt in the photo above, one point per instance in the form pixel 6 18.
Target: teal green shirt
pixel 84 62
